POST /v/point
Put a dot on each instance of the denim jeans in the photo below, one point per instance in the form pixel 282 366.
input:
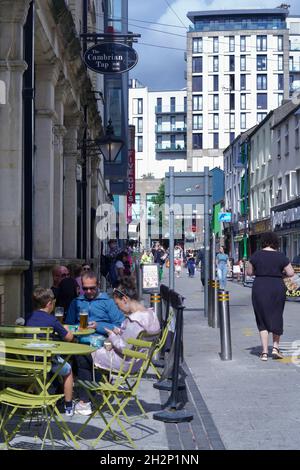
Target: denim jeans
pixel 222 275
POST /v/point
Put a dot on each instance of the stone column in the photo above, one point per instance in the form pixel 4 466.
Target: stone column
pixel 71 154
pixel 46 79
pixel 12 66
pixel 59 133
pixel 12 19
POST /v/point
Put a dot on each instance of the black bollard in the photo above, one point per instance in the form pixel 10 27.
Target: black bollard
pixel 215 310
pixel 174 414
pixel 224 316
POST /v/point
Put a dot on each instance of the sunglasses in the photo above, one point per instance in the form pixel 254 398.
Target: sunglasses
pixel 89 288
pixel 86 269
pixel 119 293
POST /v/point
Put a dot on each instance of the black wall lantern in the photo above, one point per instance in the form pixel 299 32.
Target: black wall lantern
pixel 110 145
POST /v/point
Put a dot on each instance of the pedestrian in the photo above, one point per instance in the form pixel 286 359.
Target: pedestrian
pixel 201 259
pixel 269 291
pixel 160 256
pixel 222 261
pixel 191 264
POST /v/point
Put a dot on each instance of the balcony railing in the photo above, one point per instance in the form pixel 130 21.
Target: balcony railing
pixel 171 148
pixel 170 130
pixel 170 110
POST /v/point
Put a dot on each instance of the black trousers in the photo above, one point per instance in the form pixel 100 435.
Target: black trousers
pixel 84 371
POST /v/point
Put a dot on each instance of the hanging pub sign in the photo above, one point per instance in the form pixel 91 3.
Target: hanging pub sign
pixel 110 57
pixel 293 285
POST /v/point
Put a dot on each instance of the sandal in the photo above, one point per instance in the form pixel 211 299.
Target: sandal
pixel 263 356
pixel 276 353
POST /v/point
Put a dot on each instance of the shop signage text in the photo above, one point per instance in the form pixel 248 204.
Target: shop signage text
pixel 285 217
pixel 110 57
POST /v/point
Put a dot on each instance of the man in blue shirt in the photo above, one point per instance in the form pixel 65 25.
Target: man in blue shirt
pixel 102 313
pixel 44 302
pixel 102 310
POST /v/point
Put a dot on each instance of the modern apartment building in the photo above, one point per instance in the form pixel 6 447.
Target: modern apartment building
pixel 159 118
pixel 293 23
pixel 237 71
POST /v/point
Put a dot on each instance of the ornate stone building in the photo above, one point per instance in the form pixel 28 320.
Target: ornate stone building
pixel 67 183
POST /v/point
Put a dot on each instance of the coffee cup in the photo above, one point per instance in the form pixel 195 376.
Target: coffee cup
pixel 108 345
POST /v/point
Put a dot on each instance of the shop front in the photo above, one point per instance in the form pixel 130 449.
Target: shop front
pixel 286 223
pixel 257 229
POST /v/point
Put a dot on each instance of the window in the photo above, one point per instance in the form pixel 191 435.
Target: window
pixel 150 206
pixel 172 104
pixel 197 141
pixel 215 45
pixel 197 103
pixel 262 101
pixel 197 64
pixel 231 82
pixel 261 43
pixel 243 120
pixel 231 44
pixel 216 140
pixel 215 102
pixel 159 141
pixel 279 143
pixel 280 98
pixel 173 141
pixel 138 123
pixel 243 101
pixel 158 105
pixel 261 82
pixel 138 106
pixel 172 123
pixel 197 83
pixel 185 104
pixel 243 43
pixel 197 122
pixel 280 81
pixel 231 63
pixel 286 139
pixel 297 142
pixel 231 121
pixel 216 121
pixel 291 64
pixel 260 117
pixel 243 62
pixel 231 101
pixel 197 45
pixel 159 123
pixel 215 64
pixel 261 62
pixel 280 43
pixel 243 82
pixel 216 82
pixel 140 144
pixel 280 62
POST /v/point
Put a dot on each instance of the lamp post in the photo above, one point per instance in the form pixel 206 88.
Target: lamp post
pixel 110 145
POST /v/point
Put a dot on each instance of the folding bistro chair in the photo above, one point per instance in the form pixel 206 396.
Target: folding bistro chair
pixel 37 363
pixel 121 391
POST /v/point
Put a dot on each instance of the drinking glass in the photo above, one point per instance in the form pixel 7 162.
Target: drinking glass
pixel 59 314
pixel 83 319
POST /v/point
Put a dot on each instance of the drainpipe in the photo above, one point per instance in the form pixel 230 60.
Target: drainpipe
pixel 28 129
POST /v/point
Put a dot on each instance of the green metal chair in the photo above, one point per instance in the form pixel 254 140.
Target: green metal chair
pixel 26 332
pixel 116 396
pixel 15 402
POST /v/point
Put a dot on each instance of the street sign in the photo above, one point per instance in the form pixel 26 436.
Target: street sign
pixel 110 57
pixel 224 216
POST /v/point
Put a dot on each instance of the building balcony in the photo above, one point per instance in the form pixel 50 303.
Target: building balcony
pixel 170 110
pixel 171 148
pixel 245 24
pixel 295 68
pixel 170 130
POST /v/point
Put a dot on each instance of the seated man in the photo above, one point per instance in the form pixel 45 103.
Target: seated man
pixel 103 312
pixel 44 303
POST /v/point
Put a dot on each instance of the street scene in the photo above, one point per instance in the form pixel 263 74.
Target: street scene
pixel 149 227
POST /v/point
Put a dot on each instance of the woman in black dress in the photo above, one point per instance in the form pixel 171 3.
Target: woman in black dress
pixel 269 291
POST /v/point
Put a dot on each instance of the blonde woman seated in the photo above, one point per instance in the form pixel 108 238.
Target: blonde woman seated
pixel 138 319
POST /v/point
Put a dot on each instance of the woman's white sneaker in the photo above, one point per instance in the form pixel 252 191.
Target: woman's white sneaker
pixel 84 409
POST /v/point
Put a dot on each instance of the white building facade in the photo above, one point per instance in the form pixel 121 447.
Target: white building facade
pixel 159 118
pixel 237 71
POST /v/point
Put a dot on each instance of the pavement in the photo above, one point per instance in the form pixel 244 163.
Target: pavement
pixel 239 404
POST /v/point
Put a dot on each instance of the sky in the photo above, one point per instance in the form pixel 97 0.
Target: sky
pixel 162 68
